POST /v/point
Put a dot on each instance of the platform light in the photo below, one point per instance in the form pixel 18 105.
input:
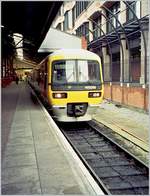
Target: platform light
pixel 94 94
pixel 59 95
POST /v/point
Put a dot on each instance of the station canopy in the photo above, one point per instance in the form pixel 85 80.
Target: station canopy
pixel 56 39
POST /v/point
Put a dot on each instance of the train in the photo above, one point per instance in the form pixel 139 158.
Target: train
pixel 71 82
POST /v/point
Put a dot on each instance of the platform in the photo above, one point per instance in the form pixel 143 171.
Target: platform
pixel 37 159
pixel 129 123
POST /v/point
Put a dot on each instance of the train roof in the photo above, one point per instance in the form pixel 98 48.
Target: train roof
pixel 75 53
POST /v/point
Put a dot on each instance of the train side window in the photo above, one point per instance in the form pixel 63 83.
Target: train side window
pixel 45 75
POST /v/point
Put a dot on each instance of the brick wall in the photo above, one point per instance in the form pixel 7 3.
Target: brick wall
pixel 107 91
pixel 116 93
pixel 83 42
pixel 134 96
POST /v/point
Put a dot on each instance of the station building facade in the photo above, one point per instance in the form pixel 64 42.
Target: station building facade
pixel 118 32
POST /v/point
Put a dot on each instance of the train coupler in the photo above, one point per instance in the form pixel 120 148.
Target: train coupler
pixel 76 109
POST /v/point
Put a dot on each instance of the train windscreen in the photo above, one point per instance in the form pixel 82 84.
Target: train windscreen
pixel 77 74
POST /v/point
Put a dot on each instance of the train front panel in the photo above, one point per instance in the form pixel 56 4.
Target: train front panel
pixel 75 87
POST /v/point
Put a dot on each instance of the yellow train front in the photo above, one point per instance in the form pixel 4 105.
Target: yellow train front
pixel 72 84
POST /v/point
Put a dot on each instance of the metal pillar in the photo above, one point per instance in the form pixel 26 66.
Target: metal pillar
pixel 110 50
pixel 127 41
pixel 144 39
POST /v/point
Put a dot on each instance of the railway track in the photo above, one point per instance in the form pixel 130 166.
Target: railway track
pixel 115 169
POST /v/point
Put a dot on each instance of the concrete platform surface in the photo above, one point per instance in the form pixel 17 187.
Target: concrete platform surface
pixel 36 157
pixel 129 123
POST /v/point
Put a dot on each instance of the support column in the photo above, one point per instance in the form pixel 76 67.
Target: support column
pixel 126 68
pixel 144 68
pixel 62 26
pixel 123 13
pixel 91 29
pixel 106 67
pixel 103 20
pixel 106 57
pixel 126 74
pixel 70 19
pixel 145 5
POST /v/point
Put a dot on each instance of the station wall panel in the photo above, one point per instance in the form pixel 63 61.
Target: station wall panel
pixel 133 96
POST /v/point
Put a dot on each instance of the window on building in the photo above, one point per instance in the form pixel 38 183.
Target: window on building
pixel 136 7
pixel 80 6
pixel 66 21
pixel 135 60
pixel 86 3
pixel 78 31
pixel 87 31
pixel 135 57
pixel 96 29
pixel 73 15
pixel 115 9
pixel 83 30
pixel 116 67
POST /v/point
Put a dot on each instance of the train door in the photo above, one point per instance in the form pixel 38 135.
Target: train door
pixel 45 78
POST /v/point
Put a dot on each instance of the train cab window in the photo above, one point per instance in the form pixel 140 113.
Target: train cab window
pixel 88 71
pixel 64 71
pixel 59 74
pixel 70 71
pixel 75 72
pixel 83 71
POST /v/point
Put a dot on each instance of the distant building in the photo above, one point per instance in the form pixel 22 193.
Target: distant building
pixel 118 32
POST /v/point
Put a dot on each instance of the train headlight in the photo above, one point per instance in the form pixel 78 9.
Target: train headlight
pixel 59 95
pixel 94 94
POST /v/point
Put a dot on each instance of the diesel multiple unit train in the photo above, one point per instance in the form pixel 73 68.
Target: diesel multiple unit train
pixel 71 82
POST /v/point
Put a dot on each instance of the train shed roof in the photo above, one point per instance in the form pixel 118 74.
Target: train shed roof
pixel 32 19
